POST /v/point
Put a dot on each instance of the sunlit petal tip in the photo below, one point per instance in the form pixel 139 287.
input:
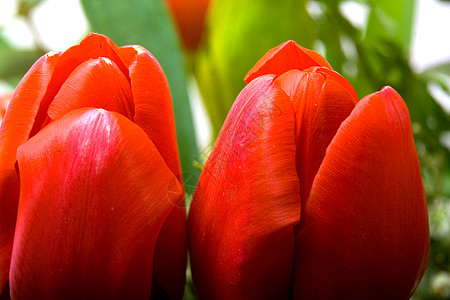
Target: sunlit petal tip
pixel 51 54
pixel 139 49
pixel 134 54
pixel 284 57
pixel 388 91
pixel 95 39
pixel 394 105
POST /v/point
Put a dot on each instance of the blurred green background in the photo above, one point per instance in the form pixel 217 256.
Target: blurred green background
pixel 371 43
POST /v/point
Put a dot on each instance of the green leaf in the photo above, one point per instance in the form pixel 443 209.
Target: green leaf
pixel 3 43
pixel 391 19
pixel 240 33
pixel 26 6
pixel 443 68
pixel 330 30
pixel 439 74
pixel 15 63
pixel 147 23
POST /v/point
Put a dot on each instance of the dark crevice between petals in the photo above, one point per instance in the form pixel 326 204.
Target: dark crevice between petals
pixel 322 100
pixel 5 293
pixel 154 114
pixel 366 215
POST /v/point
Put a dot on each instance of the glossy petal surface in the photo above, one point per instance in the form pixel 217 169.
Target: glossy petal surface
pixel 153 103
pixel 154 114
pixel 241 221
pixel 97 83
pixel 285 57
pixel 320 104
pixel 94 194
pixel 365 226
pixel 16 127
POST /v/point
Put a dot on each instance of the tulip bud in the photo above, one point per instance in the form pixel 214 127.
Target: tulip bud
pixel 89 165
pixel 309 193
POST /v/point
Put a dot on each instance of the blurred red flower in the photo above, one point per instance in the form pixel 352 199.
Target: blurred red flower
pixel 190 18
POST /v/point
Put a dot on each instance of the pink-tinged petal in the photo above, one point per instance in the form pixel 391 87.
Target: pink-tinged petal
pixel 154 114
pixel 92 46
pixel 365 229
pixel 285 57
pixel 14 131
pixel 97 83
pixel 241 221
pixel 94 194
pixel 320 104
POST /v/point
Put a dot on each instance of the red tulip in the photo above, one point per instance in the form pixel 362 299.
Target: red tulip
pixel 308 192
pixel 190 18
pixel 89 165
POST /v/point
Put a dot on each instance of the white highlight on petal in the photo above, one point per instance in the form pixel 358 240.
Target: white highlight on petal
pixel 139 49
pixel 52 53
pixel 108 131
pixel 106 60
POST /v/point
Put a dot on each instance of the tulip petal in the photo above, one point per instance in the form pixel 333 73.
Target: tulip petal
pixel 153 102
pixel 5 97
pixel 94 194
pixel 320 104
pixel 285 57
pixel 14 131
pixel 336 77
pixel 241 221
pixel 154 114
pixel 92 46
pixel 365 227
pixel 94 83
